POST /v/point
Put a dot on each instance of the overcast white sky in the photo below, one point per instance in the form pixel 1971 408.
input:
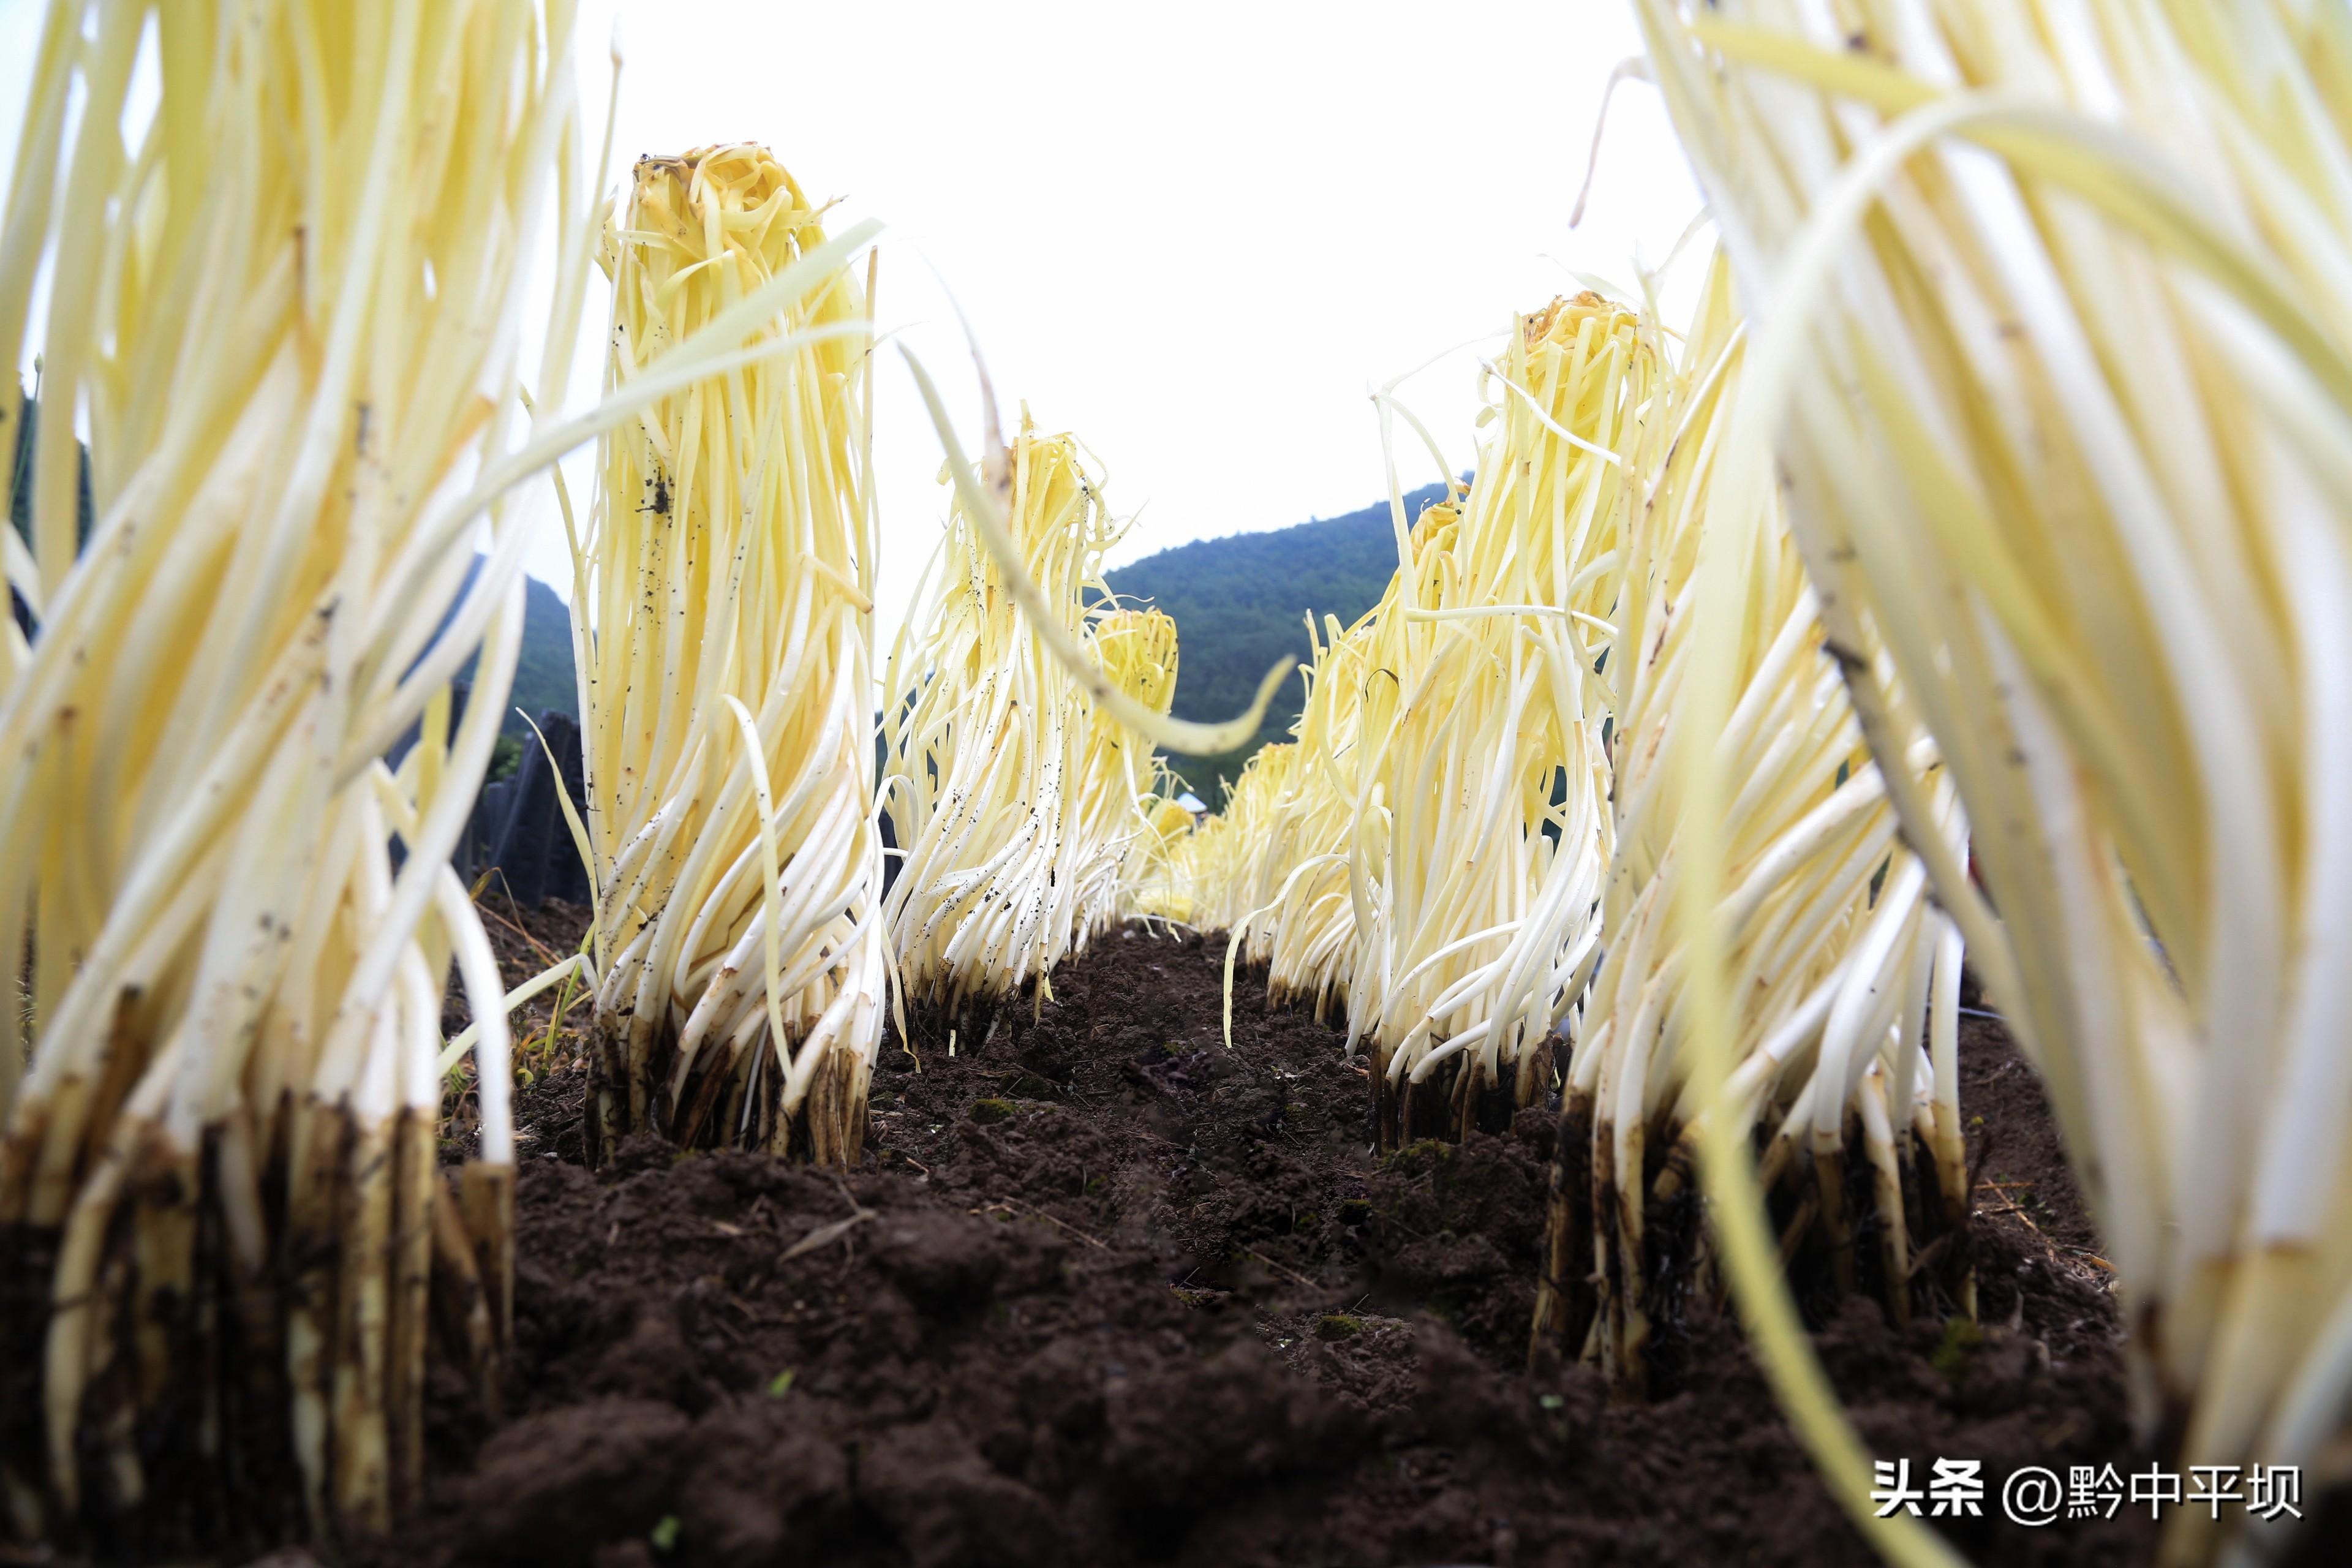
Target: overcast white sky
pixel 1194 236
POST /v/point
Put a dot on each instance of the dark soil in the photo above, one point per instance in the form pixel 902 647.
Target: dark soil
pixel 1103 1292
pixel 528 942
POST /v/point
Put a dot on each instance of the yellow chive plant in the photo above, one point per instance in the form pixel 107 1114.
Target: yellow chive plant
pixel 1311 925
pixel 724 649
pixel 1207 872
pixel 1277 867
pixel 1234 876
pixel 1483 836
pixel 1154 888
pixel 287 316
pixel 1117 829
pixel 986 511
pixel 2053 348
pixel 988 738
pixel 1833 944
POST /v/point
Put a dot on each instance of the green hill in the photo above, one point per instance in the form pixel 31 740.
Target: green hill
pixel 1240 602
pixel 543 678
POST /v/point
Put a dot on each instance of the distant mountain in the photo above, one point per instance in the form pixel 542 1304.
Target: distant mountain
pixel 543 675
pixel 1240 602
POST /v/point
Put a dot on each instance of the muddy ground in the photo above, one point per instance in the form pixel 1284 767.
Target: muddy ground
pixel 1103 1292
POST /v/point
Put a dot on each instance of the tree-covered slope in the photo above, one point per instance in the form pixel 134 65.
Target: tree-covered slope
pixel 543 678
